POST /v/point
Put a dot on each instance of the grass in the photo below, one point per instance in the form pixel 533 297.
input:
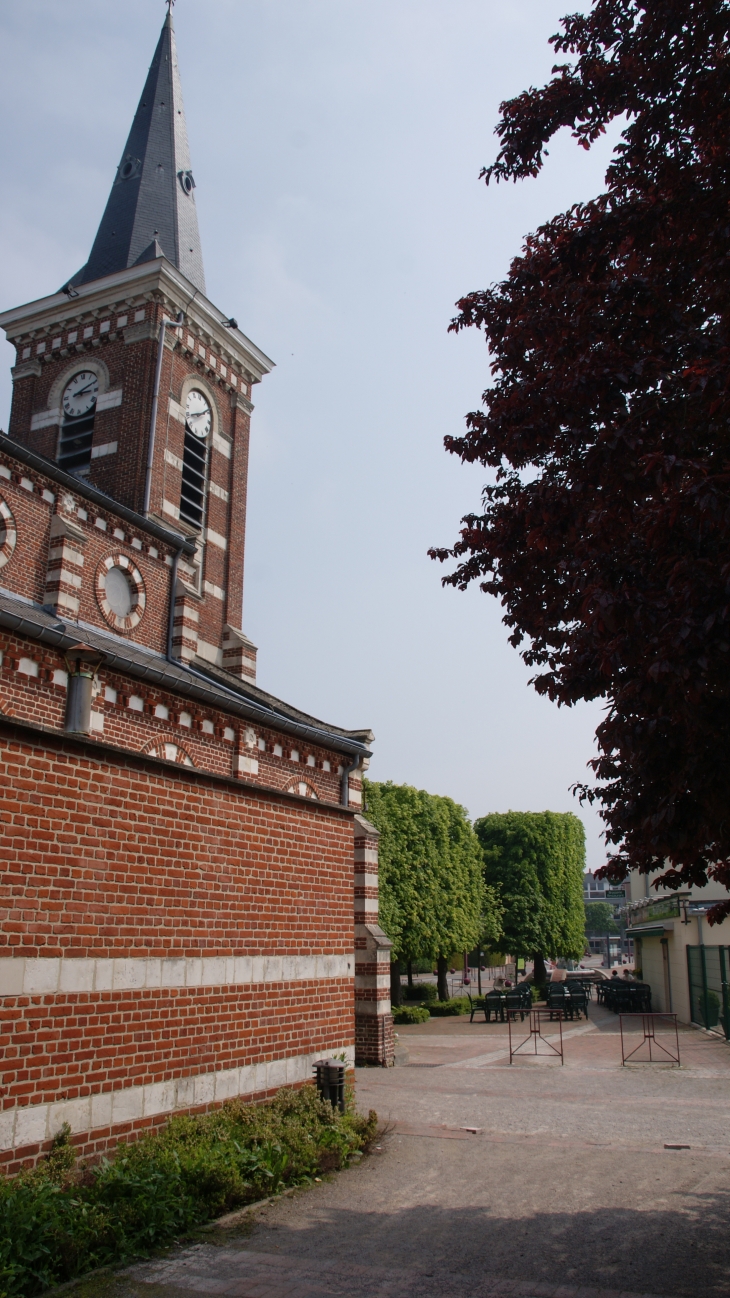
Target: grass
pixel 63 1218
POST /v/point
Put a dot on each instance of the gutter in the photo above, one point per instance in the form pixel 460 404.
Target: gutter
pixel 219 697
pixel 39 462
pixel 651 930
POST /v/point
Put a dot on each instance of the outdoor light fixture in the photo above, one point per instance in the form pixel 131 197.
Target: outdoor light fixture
pixel 329 1076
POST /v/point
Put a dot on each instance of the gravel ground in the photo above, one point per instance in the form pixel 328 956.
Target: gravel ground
pixel 565 1188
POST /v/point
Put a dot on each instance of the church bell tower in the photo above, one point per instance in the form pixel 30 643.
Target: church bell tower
pixel 132 380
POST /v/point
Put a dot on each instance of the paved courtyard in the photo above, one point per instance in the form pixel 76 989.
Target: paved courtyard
pixel 565 1188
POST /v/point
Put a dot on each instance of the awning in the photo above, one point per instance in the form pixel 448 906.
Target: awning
pixel 653 930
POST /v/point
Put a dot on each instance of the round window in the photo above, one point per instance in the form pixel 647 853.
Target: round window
pixel 118 592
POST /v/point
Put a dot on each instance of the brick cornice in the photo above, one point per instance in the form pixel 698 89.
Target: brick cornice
pixel 155 280
pixel 98 750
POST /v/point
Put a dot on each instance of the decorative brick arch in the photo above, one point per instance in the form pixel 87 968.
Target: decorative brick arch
pixel 201 383
pixel 8 533
pixel 168 749
pixel 303 788
pixel 83 361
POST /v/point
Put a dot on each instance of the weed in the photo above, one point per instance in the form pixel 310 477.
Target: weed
pixel 60 1220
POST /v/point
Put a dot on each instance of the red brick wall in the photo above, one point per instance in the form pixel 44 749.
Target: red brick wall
pixel 93 1144
pixel 25 573
pixel 65 1046
pixel 111 856
pixel 37 699
pixel 238 489
pixel 106 854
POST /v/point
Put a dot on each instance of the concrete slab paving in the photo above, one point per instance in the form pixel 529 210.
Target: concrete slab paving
pixel 562 1189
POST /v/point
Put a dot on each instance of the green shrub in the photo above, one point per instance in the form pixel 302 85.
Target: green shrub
pixel 58 1220
pixel 447 1009
pixel 411 1014
pixel 421 992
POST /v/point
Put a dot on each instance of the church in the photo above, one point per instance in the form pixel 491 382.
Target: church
pixel 189 890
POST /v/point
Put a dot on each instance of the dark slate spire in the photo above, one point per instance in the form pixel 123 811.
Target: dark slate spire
pixel 151 209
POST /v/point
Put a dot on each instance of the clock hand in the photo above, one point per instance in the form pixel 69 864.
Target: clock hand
pixel 81 391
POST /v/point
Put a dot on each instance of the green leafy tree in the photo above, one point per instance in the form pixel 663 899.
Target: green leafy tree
pixel 535 861
pixel 432 893
pixel 599 919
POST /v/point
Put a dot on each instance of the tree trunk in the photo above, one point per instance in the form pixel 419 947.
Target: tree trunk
pixel 395 988
pixel 409 967
pixel 442 966
pixel 539 976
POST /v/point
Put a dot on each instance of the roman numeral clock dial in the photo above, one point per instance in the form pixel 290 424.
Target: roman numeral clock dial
pixel 80 395
pixel 197 414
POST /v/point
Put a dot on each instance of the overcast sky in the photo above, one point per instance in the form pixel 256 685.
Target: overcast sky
pixel 336 146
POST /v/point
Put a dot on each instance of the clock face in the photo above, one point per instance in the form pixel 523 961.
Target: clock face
pixel 198 414
pixel 80 395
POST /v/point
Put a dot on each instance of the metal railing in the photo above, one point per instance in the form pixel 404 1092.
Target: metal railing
pixel 708 968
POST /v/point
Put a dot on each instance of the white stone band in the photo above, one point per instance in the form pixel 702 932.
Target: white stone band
pixel 35 1123
pixel 27 976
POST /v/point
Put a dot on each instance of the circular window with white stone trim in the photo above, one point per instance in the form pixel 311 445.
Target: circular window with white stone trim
pixel 120 592
pixel 8 534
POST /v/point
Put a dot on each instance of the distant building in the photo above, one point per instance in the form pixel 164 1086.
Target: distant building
pixel 686 961
pixel 615 896
pixel 593 889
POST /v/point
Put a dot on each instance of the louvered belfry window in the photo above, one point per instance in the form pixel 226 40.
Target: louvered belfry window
pixel 192 494
pixel 77 430
pixel 198 429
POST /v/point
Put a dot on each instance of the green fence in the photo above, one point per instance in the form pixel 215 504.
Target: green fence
pixel 708 968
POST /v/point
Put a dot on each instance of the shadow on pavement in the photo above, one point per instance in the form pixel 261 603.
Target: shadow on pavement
pixel 660 1251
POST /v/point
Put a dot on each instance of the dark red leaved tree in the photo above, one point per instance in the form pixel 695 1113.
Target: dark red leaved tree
pixel 606 534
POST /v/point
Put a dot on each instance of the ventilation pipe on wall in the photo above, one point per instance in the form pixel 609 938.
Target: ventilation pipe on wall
pixel 82 663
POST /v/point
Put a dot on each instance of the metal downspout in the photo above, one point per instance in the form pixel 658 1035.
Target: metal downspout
pixel 345 782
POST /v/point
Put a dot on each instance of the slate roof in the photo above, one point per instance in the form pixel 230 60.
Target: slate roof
pixel 201 683
pixel 151 208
